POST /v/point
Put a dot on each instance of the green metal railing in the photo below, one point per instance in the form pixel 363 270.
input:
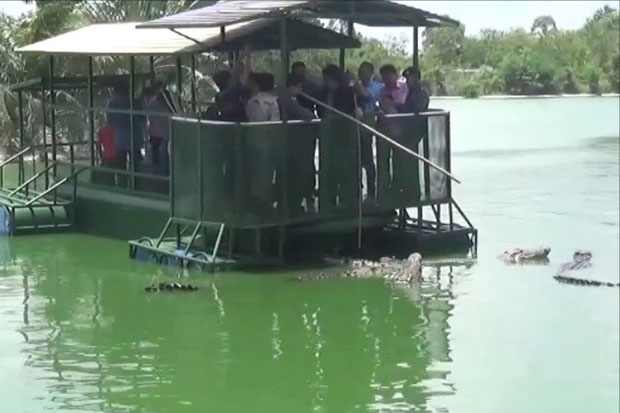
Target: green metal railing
pixel 19 155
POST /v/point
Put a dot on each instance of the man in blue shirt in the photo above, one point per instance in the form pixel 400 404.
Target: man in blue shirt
pixel 368 92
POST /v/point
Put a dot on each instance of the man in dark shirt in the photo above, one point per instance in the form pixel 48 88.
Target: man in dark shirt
pixel 417 99
pixel 308 85
pixel 337 93
pixel 340 184
pixel 229 101
pixel 301 147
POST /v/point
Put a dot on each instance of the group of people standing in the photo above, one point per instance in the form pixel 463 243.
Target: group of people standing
pixel 247 96
pixel 120 146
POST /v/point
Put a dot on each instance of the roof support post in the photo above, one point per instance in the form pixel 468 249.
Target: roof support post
pixel 416 50
pixel 152 67
pixel 132 147
pixel 342 51
pixel 179 81
pixel 349 33
pixel 20 102
pixel 193 81
pixel 91 113
pixel 44 136
pixel 231 55
pixel 52 110
pixel 284 53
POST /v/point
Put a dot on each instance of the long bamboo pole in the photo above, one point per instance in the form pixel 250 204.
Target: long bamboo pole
pixel 382 136
pixel 360 200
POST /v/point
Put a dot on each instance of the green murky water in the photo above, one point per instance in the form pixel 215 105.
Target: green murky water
pixel 77 332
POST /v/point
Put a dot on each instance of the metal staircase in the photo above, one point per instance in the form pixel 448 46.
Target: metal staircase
pixel 24 209
pixel 181 250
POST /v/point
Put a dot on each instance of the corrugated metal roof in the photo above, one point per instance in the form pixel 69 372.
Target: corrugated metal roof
pixel 126 39
pixel 366 12
pixel 225 13
pixel 122 38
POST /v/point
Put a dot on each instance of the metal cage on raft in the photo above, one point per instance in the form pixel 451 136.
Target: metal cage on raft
pixel 214 202
pixel 214 165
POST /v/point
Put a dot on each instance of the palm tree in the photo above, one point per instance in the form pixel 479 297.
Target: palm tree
pixel 544 25
pixel 51 18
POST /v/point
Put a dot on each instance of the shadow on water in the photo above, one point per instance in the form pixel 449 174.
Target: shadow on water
pixel 609 144
pixel 242 343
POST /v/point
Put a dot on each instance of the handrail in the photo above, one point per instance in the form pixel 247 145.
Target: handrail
pixel 119 171
pixel 17 155
pixel 32 147
pixel 56 185
pixel 381 135
pixel 32 179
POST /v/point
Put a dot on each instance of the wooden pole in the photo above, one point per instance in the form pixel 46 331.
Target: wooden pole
pixel 360 200
pixel 381 135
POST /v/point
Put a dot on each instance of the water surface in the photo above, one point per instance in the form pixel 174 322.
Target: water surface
pixel 77 332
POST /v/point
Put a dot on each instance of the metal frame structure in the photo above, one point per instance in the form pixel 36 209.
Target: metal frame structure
pixel 356 13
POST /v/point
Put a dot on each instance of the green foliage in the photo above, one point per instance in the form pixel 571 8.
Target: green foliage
pixel 544 60
pixel 471 89
pixel 543 25
pixel 541 60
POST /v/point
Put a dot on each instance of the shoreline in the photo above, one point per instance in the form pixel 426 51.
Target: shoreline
pixel 579 95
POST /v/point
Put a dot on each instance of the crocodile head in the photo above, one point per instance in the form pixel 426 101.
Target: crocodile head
pixel 411 270
pixel 582 256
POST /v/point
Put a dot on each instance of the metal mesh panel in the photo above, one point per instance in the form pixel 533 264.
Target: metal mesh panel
pixel 398 171
pixel 338 169
pixel 437 154
pixel 260 187
pixel 302 167
pixel 185 175
pixel 263 174
pixel 216 160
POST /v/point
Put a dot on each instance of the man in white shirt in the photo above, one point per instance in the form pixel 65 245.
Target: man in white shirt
pixel 262 107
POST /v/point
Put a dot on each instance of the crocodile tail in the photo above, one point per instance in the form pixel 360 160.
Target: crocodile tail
pixel 313 277
pixel 585 282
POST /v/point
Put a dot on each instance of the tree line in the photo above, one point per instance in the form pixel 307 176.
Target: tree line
pixel 540 60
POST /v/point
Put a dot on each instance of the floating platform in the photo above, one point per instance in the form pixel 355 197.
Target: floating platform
pixel 171 254
pixel 31 213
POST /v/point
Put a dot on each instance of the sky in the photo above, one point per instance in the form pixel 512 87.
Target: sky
pixel 500 15
pixel 476 15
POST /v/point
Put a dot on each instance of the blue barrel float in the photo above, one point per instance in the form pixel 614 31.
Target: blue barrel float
pixel 19 219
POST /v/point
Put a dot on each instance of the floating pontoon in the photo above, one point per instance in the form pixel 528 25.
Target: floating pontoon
pixel 197 215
